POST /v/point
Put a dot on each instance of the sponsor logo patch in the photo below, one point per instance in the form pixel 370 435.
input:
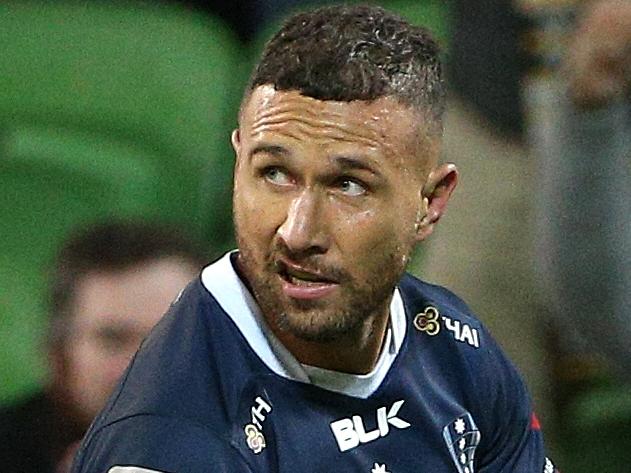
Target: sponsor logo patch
pixel 462 332
pixel 254 430
pixel 351 432
pixel 428 321
pixel 254 438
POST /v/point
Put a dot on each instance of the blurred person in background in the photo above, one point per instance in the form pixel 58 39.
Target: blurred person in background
pixel 556 167
pixel 110 284
pixel 598 64
pixel 581 139
pixel 578 123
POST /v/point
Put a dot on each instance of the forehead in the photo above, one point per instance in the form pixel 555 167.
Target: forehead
pixel 382 123
pixel 136 296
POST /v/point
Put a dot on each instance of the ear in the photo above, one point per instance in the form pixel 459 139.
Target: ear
pixel 57 363
pixel 235 138
pixel 436 192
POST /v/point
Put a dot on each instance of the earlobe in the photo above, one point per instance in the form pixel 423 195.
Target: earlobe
pixel 437 190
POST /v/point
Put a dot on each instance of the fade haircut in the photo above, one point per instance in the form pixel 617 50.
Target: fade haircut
pixel 111 247
pixel 345 53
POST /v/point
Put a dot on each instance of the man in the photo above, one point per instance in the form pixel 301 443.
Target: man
pixel 110 285
pixel 584 153
pixel 581 143
pixel 309 349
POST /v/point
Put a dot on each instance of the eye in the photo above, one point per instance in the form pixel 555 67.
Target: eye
pixel 114 339
pixel 276 175
pixel 351 187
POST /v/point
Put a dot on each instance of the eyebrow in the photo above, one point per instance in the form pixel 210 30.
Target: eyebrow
pixel 349 162
pixel 274 150
pixel 343 162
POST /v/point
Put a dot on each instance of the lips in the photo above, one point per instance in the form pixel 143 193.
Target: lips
pixel 302 283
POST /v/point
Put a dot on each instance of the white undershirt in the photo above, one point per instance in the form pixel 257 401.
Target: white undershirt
pixel 222 281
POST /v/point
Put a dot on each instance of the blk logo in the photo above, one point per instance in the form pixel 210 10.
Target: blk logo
pixel 351 432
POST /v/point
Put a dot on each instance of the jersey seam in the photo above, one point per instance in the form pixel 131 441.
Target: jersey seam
pixel 161 416
pixel 190 422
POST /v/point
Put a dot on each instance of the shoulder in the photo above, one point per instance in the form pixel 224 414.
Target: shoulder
pixel 457 353
pixel 158 443
pixel 435 310
pixel 173 408
pixel 451 339
pixel 467 383
pixel 443 319
pixel 190 367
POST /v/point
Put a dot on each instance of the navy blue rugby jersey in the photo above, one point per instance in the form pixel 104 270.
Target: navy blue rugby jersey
pixel 210 391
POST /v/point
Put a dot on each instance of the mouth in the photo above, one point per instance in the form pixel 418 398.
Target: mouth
pixel 301 283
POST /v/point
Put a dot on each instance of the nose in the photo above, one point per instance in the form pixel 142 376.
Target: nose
pixel 303 230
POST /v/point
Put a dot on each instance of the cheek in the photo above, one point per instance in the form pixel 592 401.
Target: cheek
pixel 91 364
pixel 256 213
pixel 355 226
pixel 95 371
pixel 254 227
pixel 86 361
pixel 85 374
pixel 373 232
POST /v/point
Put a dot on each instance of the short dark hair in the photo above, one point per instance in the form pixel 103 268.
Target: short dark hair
pixel 111 246
pixel 346 53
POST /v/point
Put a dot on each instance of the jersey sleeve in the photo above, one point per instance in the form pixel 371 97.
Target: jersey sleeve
pixel 156 444
pixel 512 441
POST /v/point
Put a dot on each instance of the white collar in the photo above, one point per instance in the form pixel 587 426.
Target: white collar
pixel 222 281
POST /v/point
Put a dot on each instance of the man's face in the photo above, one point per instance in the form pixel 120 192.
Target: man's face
pixel 111 314
pixel 326 206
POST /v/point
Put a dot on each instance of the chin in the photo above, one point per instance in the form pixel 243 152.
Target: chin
pixel 320 328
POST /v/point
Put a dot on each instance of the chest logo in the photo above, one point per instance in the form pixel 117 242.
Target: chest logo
pixel 351 432
pixel 254 430
pixel 462 437
pixel 428 321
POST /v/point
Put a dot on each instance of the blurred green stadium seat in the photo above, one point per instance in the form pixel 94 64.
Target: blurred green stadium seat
pixel 596 429
pixel 106 109
pixel 157 77
pixel 434 14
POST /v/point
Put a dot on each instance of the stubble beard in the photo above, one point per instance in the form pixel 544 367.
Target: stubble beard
pixel 320 320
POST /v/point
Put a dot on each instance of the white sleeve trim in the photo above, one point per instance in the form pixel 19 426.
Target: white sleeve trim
pixel 131 469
